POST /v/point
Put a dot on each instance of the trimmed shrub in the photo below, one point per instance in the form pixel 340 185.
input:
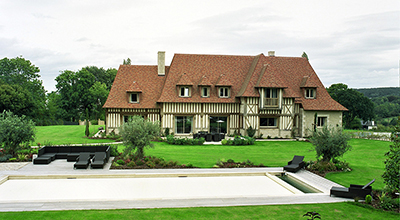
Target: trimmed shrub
pixel 250 131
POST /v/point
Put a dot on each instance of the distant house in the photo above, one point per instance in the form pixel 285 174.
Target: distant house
pixel 368 125
pixel 277 96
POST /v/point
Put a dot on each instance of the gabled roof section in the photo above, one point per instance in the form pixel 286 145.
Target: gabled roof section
pixel 205 81
pixel 268 79
pixel 307 82
pixel 223 80
pixel 134 87
pixel 184 81
pixel 146 80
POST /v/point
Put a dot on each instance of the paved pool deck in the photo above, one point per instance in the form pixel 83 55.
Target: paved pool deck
pixel 57 186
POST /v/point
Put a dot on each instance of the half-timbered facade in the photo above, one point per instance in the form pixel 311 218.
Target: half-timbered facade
pixel 278 96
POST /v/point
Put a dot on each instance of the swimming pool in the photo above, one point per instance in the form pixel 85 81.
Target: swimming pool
pixel 144 187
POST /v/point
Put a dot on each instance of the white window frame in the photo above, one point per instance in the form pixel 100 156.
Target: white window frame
pixel 310 93
pixel 208 92
pixel 137 98
pixel 185 90
pixel 226 92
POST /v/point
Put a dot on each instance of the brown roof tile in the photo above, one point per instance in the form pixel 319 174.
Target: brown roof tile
pixel 134 87
pixel 146 76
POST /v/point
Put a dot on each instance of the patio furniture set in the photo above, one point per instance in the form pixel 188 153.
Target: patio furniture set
pixel 82 155
pixel 209 136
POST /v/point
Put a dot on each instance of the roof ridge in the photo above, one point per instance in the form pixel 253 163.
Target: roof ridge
pixel 249 75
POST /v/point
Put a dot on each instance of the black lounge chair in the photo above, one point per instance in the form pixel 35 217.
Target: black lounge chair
pixel 99 160
pixel 83 161
pixel 295 165
pixel 353 191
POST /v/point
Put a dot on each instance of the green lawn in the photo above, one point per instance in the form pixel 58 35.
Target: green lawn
pixel 65 134
pixel 327 211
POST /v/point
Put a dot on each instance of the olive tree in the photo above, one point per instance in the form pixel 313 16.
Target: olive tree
pixel 14 131
pixel 137 134
pixel 391 175
pixel 330 142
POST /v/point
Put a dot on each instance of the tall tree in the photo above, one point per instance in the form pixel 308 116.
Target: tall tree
pixel 16 99
pixel 19 71
pixel 304 55
pixel 98 93
pixel 358 105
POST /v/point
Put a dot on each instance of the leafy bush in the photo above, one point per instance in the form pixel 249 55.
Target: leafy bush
pixel 14 131
pixel 239 141
pixel 368 199
pixel 250 131
pixel 392 162
pixel 322 167
pixel 184 141
pixel 330 143
pixel 5 157
pixel 232 164
pixel 166 132
pixel 121 162
pixel 114 150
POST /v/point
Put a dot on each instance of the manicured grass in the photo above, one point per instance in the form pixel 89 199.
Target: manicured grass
pixel 270 153
pixel 65 134
pixel 366 157
pixel 367 161
pixel 327 211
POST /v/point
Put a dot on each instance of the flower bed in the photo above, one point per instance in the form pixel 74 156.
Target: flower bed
pixel 147 162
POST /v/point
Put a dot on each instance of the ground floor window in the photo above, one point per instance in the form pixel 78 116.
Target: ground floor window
pixel 218 124
pixel 269 122
pixel 183 124
pixel 321 121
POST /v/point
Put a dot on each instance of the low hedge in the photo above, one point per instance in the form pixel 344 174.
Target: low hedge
pixel 184 141
pixel 238 140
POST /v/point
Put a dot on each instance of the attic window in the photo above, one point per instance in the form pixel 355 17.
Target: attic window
pixel 184 91
pixel 205 92
pixel 310 93
pixel 134 98
pixel 224 92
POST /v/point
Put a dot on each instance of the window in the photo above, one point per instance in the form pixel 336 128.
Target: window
pixel 321 121
pixel 269 122
pixel 271 97
pixel 205 92
pixel 183 124
pixel 310 94
pixel 224 92
pixel 184 92
pixel 134 98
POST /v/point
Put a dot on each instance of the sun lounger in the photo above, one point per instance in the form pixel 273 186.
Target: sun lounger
pixel 83 161
pixel 353 191
pixel 295 165
pixel 99 160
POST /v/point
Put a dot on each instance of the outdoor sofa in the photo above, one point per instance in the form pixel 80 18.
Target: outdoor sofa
pixel 83 161
pixel 99 160
pixel 71 153
pixel 295 164
pixel 353 191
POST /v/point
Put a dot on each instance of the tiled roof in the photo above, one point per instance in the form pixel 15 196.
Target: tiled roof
pixel 134 87
pixel 185 81
pixel 242 73
pixel 205 81
pixel 150 84
pixel 234 68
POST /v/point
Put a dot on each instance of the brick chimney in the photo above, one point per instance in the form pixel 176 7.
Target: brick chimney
pixel 271 53
pixel 161 63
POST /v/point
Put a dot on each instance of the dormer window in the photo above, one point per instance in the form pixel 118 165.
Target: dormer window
pixel 224 92
pixel 310 93
pixel 205 92
pixel 184 91
pixel 134 98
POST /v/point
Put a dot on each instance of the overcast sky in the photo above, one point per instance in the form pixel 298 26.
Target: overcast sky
pixel 356 42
